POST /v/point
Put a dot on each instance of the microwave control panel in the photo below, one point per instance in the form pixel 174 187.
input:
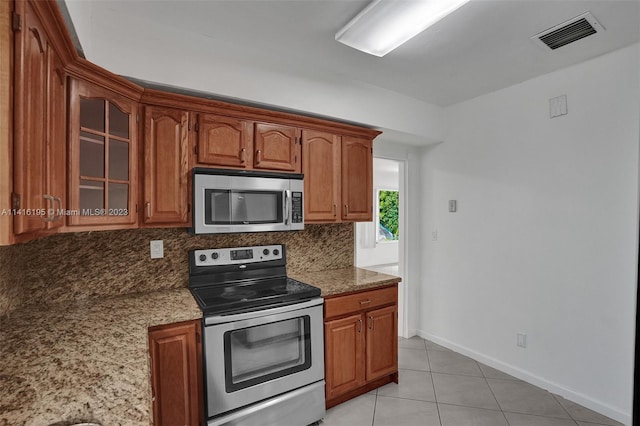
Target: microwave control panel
pixel 296 207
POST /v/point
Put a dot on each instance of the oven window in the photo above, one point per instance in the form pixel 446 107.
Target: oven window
pixel 225 207
pixel 258 354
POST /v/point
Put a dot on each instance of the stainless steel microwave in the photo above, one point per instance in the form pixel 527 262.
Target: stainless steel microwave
pixel 226 201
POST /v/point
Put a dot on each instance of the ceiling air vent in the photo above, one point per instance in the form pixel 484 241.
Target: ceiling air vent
pixel 572 30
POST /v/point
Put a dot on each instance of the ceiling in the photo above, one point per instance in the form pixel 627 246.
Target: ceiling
pixel 482 47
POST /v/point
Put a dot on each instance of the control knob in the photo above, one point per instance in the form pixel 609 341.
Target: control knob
pixel 265 252
pixel 203 258
pixel 214 255
pixel 276 252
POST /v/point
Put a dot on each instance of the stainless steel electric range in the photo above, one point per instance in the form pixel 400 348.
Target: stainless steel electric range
pixel 263 338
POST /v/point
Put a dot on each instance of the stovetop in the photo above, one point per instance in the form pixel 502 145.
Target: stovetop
pixel 235 280
pixel 247 296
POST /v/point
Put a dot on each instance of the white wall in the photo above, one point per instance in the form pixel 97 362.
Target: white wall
pixel 545 238
pixel 386 175
pixel 148 50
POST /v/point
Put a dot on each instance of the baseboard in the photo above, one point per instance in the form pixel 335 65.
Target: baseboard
pixel 579 398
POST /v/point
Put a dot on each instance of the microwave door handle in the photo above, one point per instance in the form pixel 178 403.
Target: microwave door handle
pixel 287 206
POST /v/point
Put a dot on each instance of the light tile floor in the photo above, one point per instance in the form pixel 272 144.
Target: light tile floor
pixel 439 387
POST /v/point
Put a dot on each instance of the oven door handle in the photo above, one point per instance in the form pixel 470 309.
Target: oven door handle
pixel 221 319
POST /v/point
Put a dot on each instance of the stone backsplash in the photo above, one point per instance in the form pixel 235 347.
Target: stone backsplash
pixel 11 289
pixel 76 266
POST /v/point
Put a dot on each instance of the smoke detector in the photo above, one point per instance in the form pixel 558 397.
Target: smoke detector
pixel 569 31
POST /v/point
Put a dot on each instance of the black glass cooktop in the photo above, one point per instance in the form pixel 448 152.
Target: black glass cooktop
pixel 239 297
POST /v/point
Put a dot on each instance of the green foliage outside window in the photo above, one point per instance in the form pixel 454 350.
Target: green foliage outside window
pixel 388 215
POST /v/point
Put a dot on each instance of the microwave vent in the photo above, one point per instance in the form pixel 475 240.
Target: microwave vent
pixel 572 30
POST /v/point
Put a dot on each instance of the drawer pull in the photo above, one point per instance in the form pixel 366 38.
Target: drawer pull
pixel 371 323
pixel 364 302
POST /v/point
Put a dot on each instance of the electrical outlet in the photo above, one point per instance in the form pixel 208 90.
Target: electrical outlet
pixel 157 249
pixel 434 235
pixel 521 340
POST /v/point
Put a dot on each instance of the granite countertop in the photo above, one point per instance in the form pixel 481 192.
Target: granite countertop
pixel 334 282
pixel 86 361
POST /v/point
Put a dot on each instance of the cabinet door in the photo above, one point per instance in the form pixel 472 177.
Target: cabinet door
pixel 276 147
pixel 382 342
pixel 102 157
pixel 224 141
pixel 357 179
pixel 175 378
pixel 30 123
pixel 321 168
pixel 344 363
pixel 166 166
pixel 56 153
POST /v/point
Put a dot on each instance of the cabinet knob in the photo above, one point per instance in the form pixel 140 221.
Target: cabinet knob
pixel 242 155
pixel 149 210
pixel 257 156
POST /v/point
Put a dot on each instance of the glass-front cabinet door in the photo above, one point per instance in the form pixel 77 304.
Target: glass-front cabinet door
pixel 102 156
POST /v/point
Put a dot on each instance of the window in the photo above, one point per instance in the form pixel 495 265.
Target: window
pixel 387 214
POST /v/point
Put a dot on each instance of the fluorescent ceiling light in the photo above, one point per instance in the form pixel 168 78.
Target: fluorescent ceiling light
pixel 386 24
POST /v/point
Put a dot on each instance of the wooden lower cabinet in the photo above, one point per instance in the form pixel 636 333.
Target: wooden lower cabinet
pixel 176 374
pixel 344 344
pixel 361 343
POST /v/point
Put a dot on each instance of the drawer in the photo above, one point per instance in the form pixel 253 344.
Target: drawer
pixel 343 305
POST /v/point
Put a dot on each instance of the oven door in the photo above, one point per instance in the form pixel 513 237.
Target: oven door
pixel 257 355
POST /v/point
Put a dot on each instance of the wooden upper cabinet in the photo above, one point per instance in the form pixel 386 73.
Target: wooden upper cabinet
pixel 382 342
pixel 224 141
pixel 276 147
pixel 102 157
pixel 357 179
pixel 30 122
pixel 39 128
pixel 166 166
pixel 321 168
pixel 176 380
pixel 56 159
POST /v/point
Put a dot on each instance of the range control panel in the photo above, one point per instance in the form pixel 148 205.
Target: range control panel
pixel 238 255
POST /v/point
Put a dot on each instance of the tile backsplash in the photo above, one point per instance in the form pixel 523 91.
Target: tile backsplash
pixel 76 266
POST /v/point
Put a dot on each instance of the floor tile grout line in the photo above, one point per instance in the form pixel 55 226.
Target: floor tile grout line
pixel 375 403
pixel 409 399
pixel 494 395
pixel 457 374
pixel 540 415
pixel 470 406
pixel 435 396
pixel 563 407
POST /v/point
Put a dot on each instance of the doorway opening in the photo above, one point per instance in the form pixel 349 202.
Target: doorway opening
pixel 380 243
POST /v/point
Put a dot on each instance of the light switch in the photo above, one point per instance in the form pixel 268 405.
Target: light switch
pixel 558 106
